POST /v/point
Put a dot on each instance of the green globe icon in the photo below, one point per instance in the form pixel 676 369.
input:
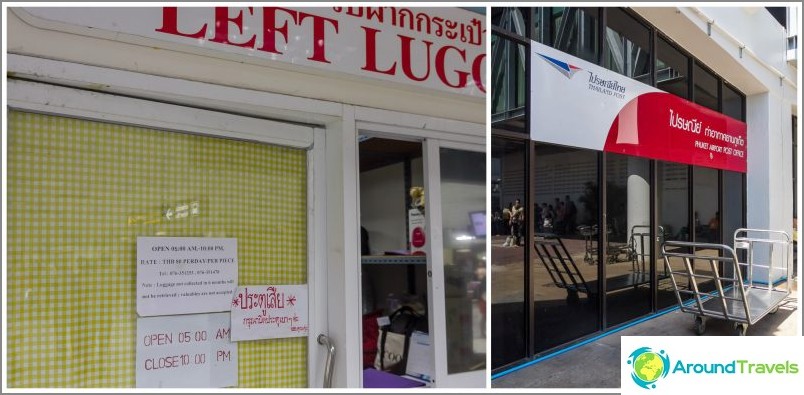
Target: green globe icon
pixel 648 366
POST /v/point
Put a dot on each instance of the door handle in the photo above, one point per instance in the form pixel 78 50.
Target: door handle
pixel 325 341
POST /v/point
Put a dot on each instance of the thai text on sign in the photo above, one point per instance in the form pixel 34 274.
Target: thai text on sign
pixel 269 312
pixel 434 47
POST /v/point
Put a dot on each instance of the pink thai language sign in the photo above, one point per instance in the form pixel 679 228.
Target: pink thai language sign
pixel 269 312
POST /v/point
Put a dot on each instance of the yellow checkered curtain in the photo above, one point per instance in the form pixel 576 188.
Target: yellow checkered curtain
pixel 79 194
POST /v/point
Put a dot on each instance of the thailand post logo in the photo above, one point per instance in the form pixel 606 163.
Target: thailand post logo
pixel 565 68
pixel 648 366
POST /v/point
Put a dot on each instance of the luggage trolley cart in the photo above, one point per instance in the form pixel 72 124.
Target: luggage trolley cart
pixel 589 234
pixel 639 244
pixel 739 297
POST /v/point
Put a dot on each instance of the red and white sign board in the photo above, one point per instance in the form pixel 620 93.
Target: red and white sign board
pixel 186 351
pixel 438 48
pixel 269 312
pixel 580 104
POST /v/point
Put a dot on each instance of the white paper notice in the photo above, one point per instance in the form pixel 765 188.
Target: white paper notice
pixel 269 312
pixel 185 275
pixel 188 351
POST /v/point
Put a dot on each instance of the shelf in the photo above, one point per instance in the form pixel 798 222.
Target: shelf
pixel 394 260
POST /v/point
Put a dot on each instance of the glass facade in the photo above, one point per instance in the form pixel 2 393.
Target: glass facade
pixel 672 69
pixel 733 103
pixel 574 30
pixel 673 206
pixel 515 20
pixel 706 86
pixel 508 88
pixel 507 263
pixel 627 46
pixel 590 258
pixel 628 241
pixel 565 268
pixel 706 219
pixel 463 175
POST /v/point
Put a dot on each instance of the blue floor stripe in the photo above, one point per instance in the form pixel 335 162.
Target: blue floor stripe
pixel 587 341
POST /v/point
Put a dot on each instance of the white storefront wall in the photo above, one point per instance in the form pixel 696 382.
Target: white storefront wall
pixel 339 103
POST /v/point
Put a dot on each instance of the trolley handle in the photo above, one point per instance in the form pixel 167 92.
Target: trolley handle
pixel 767 232
pixel 674 243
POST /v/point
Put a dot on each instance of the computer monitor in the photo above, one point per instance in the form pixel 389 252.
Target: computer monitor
pixel 478 219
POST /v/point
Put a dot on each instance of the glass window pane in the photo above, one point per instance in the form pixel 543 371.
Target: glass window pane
pixel 537 24
pixel 705 87
pixel 732 103
pixel 628 45
pixel 463 191
pixel 507 263
pixel 706 217
pixel 564 268
pixel 574 31
pixel 733 195
pixel 672 69
pixel 672 201
pixel 628 269
pixel 508 91
pixel 705 204
pixel 512 19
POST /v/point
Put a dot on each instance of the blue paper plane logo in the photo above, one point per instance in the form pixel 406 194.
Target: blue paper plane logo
pixel 565 68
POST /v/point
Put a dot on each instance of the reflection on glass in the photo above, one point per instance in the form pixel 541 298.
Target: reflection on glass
pixel 628 269
pixel 463 193
pixel 512 19
pixel 575 31
pixel 706 217
pixel 508 78
pixel 564 267
pixel 705 205
pixel 733 103
pixel 507 263
pixel 627 43
pixel 672 69
pixel 672 201
pixel 705 87
pixel 733 193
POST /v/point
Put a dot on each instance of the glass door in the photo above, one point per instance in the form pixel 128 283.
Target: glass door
pixel 628 268
pixel 393 278
pixel 81 193
pixel 456 214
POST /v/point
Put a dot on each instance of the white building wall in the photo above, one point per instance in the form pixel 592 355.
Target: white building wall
pixel 756 28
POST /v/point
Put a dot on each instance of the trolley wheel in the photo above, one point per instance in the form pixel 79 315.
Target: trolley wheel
pixel 740 329
pixel 700 325
pixel 774 310
pixel 572 297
